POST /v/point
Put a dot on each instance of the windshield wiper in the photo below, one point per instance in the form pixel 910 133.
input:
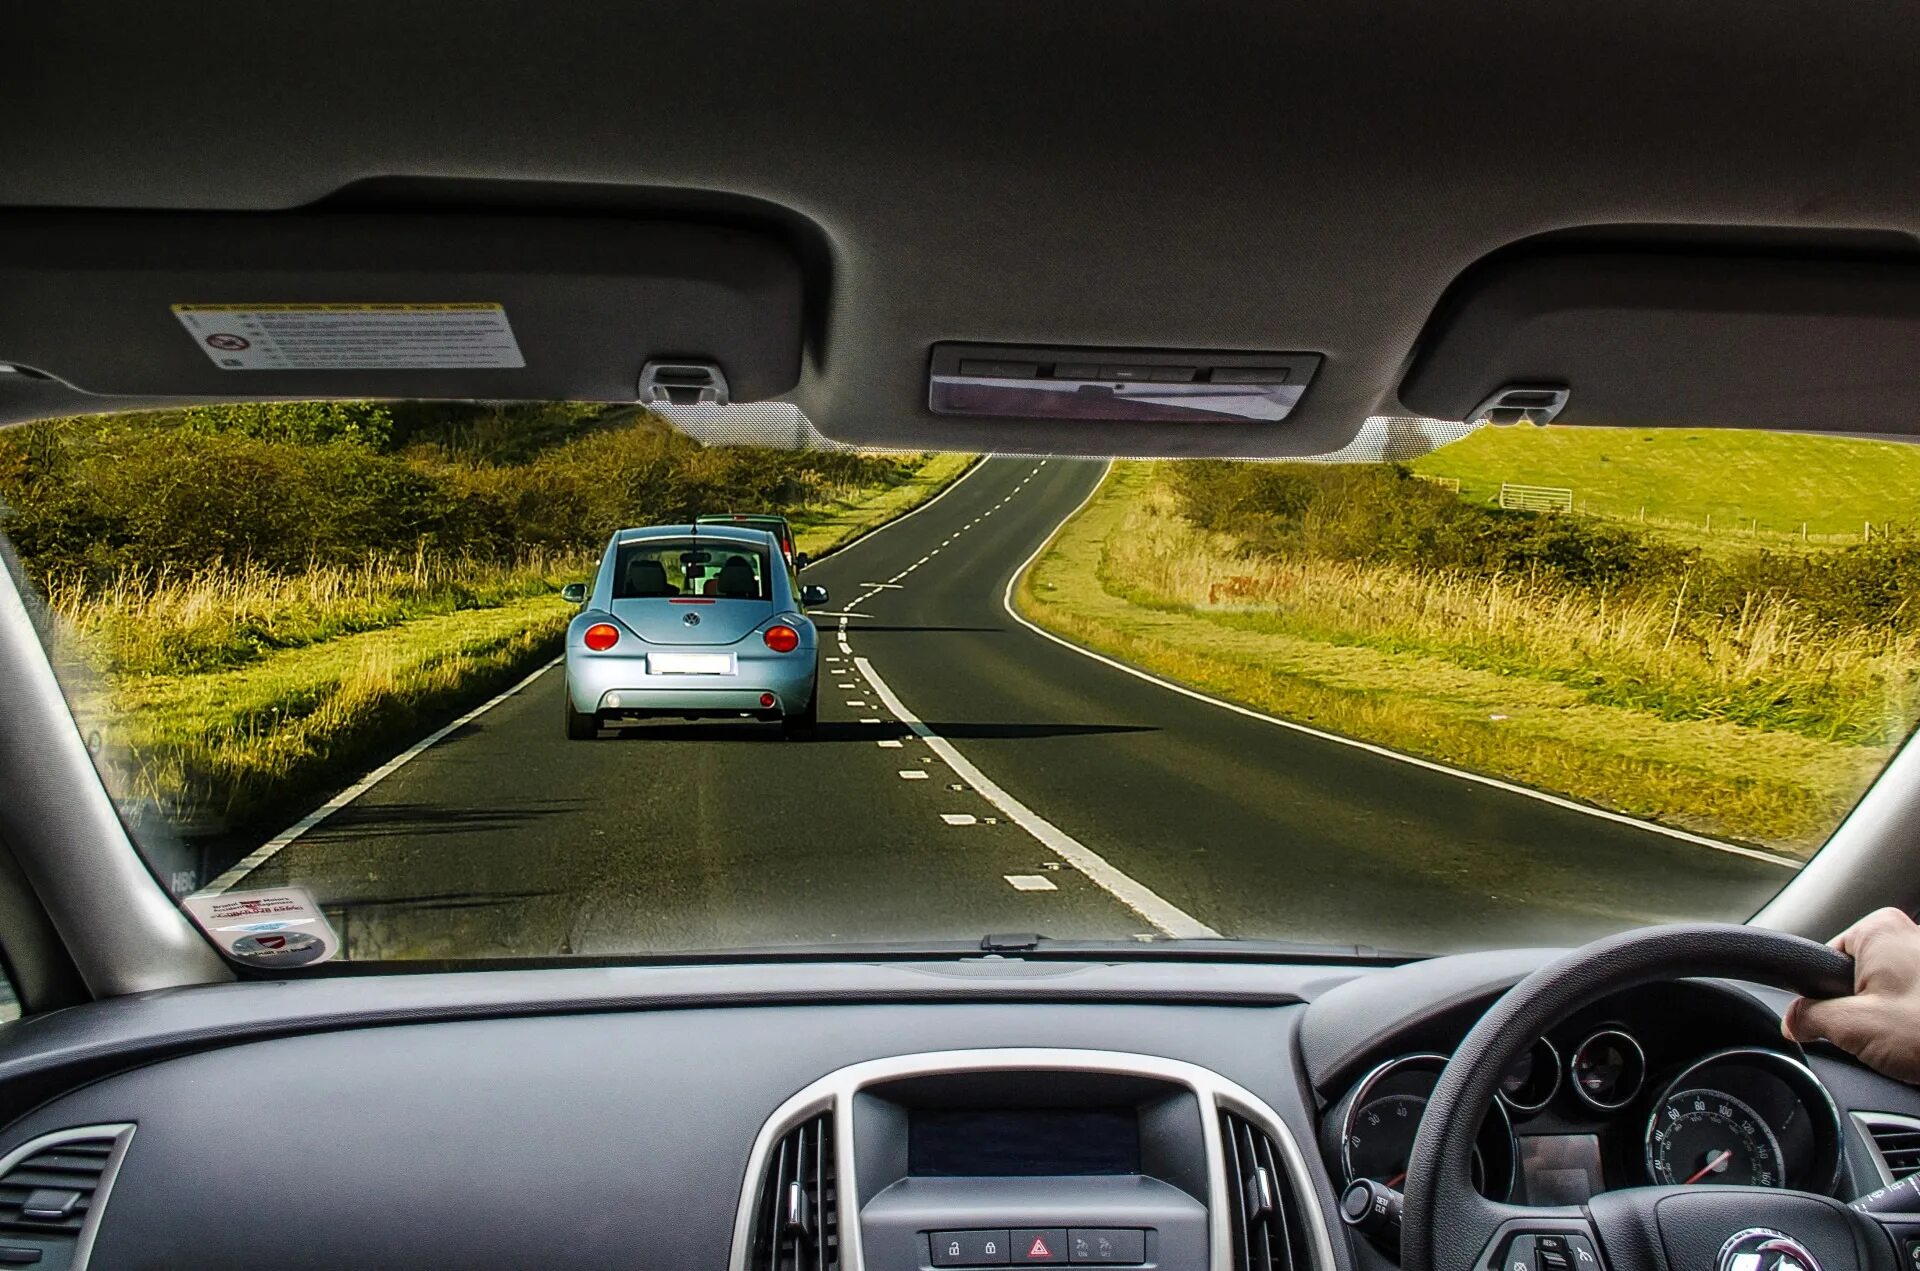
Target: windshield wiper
pixel 1034 944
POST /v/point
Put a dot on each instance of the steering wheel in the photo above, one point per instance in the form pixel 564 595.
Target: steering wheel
pixel 1448 1226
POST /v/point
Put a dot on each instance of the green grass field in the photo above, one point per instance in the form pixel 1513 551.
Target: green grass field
pixel 228 695
pixel 1562 691
pixel 1681 478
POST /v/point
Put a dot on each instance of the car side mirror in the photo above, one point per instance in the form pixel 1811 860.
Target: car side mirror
pixel 574 593
pixel 811 595
pixel 801 560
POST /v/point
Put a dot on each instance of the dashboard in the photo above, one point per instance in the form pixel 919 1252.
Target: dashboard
pixel 841 1116
pixel 1685 1083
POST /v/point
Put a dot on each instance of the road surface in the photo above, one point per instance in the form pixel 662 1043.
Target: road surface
pixel 971 776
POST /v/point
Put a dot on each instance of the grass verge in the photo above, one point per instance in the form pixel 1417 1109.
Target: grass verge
pixel 847 518
pixel 1424 667
pixel 228 697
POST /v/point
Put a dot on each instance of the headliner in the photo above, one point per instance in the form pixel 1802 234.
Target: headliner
pixel 1217 174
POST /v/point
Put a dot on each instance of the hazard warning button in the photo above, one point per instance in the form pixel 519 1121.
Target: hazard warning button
pixel 1039 1244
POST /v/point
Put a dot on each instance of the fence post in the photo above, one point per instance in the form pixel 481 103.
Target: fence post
pixel 1803 531
pixel 1709 522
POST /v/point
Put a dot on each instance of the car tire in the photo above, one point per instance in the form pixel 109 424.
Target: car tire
pixel 807 722
pixel 580 727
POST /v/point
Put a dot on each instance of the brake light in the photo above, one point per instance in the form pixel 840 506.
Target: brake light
pixel 601 636
pixel 782 639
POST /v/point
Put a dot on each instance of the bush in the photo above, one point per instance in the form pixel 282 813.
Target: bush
pixel 294 485
pixel 1384 514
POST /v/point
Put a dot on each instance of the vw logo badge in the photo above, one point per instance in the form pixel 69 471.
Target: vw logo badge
pixel 693 620
pixel 1764 1249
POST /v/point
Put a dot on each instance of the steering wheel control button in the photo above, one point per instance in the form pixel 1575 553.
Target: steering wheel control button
pixel 1550 1251
pixel 1107 1246
pixel 970 1248
pixel 1039 1244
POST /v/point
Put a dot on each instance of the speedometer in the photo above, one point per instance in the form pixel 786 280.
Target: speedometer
pixel 1708 1136
pixel 1745 1117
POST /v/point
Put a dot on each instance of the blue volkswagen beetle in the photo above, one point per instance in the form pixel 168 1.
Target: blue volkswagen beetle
pixel 693 621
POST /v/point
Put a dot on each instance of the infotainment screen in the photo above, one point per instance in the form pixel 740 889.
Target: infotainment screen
pixel 944 1142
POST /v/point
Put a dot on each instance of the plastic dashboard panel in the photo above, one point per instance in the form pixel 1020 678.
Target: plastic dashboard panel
pixel 590 1117
pixel 615 1139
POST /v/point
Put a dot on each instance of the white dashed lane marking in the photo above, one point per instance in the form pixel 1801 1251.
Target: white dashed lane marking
pixel 1030 882
pixel 913 774
pixel 1129 891
pixel 890 743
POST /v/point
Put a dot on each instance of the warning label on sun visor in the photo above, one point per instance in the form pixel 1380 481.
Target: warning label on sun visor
pixel 353 337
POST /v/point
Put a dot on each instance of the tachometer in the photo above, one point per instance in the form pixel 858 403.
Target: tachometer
pixel 1381 1140
pixel 1708 1136
pixel 1372 1130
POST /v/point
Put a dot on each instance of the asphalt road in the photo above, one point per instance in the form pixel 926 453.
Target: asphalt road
pixel 970 776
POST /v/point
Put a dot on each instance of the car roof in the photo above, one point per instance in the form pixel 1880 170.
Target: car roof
pixel 744 535
pixel 1218 175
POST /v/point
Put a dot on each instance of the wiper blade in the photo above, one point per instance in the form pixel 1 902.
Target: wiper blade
pixel 1224 947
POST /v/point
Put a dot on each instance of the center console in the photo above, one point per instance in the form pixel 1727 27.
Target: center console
pixel 1026 1158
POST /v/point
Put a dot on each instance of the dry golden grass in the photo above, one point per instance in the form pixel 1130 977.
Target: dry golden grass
pixel 1770 666
pixel 1750 728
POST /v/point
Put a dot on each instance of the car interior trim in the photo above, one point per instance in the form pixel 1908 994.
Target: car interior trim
pixel 1865 1122
pixel 67 835
pixel 122 1135
pixel 1848 876
pixel 835 1092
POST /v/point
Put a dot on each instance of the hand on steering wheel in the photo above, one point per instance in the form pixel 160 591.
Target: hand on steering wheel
pixel 1448 1226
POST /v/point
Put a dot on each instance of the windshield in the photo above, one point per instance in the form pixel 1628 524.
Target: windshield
pixel 474 682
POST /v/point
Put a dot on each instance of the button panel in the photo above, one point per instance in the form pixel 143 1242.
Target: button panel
pixel 1039 1246
pixel 1107 1246
pixel 969 1248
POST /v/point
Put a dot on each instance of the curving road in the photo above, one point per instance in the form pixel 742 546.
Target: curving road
pixel 971 776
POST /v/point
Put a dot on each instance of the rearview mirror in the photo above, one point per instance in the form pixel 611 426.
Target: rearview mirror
pixel 811 595
pixel 574 593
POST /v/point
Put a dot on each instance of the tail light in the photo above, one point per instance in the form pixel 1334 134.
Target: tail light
pixel 601 636
pixel 782 639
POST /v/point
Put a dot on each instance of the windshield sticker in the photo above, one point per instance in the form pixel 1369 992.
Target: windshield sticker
pixel 275 929
pixel 353 337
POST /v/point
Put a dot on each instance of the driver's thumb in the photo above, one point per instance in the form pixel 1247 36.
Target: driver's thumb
pixel 1844 1021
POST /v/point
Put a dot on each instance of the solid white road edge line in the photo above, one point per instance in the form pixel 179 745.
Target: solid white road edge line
pixel 269 849
pixel 1621 818
pixel 1135 895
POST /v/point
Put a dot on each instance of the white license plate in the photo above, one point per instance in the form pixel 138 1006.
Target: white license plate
pixel 690 664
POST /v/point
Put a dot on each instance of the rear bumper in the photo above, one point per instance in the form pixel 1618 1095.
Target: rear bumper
pixel 621 685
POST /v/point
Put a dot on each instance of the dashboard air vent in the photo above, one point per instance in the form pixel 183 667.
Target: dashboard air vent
pixel 1264 1213
pixel 52 1189
pixel 1896 1140
pixel 796 1216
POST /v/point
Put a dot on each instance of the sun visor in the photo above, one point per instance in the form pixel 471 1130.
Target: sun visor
pixel 1671 339
pixel 210 305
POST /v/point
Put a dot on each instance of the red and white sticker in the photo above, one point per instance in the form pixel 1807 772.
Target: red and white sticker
pixel 276 928
pixel 353 337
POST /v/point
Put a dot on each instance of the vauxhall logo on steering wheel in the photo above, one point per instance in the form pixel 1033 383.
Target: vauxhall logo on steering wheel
pixel 1764 1249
